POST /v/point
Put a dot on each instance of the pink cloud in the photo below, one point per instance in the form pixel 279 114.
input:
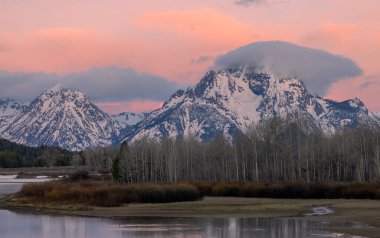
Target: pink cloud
pixel 203 24
pixel 163 43
pixel 133 106
pixel 185 35
pixel 164 37
pixel 58 50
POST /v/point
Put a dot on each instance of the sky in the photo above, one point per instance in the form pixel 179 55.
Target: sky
pixel 132 55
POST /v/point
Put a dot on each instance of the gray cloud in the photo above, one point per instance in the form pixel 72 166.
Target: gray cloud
pixel 100 84
pixel 369 81
pixel 366 84
pixel 318 69
pixel 247 2
pixel 201 59
pixel 25 86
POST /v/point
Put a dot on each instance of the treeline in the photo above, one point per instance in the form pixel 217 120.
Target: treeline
pixel 13 155
pixel 275 150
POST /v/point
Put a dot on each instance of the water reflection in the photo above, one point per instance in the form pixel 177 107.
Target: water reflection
pixel 37 226
pixel 17 225
pixel 226 227
pixel 42 226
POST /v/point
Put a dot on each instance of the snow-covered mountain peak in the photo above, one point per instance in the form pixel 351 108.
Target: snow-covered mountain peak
pixel 225 102
pixel 56 88
pixel 356 102
pixel 64 93
pixel 63 118
pixel 231 99
pixel 244 94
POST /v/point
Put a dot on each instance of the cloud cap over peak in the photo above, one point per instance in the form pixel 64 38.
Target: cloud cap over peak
pixel 247 2
pixel 110 87
pixel 318 69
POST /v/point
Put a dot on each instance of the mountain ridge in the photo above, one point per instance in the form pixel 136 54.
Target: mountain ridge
pixel 235 97
pixel 63 118
pixel 224 102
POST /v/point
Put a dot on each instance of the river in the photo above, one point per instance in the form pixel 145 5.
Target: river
pixel 26 225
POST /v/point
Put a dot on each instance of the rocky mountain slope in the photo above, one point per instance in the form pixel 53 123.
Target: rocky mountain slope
pixel 9 110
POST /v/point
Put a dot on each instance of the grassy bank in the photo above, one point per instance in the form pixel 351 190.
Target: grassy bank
pixel 100 193
pixel 297 190
pixel 106 194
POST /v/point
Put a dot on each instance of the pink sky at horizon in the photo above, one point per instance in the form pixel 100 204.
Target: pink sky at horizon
pixel 166 37
pixel 114 108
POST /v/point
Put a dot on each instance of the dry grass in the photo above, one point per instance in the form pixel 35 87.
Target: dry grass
pixel 106 194
pixel 298 189
pixel 97 193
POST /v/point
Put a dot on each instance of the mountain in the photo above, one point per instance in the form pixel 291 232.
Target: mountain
pixel 62 118
pixel 231 99
pixel 9 110
pixel 126 119
pixel 377 115
pixel 224 102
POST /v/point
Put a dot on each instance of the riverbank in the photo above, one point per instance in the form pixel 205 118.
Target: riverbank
pixel 361 211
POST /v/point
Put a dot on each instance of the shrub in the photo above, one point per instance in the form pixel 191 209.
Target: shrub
pixel 204 188
pixel 108 194
pixel 112 194
pixel 37 190
pixel 227 190
pixel 296 189
pixel 79 175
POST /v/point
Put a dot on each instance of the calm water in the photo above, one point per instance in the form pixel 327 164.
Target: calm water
pixel 16 225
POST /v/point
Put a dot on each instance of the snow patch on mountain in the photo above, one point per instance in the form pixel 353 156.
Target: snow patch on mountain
pixel 9 110
pixel 129 118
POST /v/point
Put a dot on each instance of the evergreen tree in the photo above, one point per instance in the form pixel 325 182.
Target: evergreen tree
pixel 116 173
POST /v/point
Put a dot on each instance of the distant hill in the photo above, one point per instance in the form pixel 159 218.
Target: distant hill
pixel 13 155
